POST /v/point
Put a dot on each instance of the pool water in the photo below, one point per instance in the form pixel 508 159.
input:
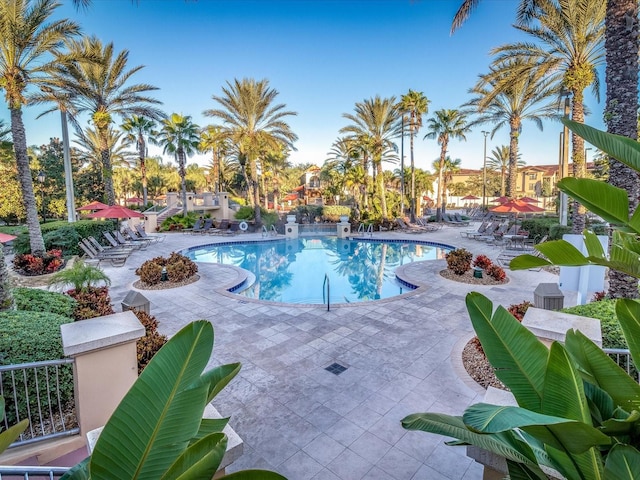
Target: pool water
pixel 293 271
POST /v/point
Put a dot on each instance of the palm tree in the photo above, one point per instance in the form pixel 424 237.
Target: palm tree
pixel 444 126
pixel 255 125
pixel 136 128
pixel 341 160
pixel 499 161
pixel 376 120
pixel 214 139
pixel 180 136
pixel 27 38
pixel 447 168
pixel 97 86
pixel 416 105
pixel 510 93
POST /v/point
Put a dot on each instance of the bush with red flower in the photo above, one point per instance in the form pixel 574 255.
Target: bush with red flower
pixel 32 265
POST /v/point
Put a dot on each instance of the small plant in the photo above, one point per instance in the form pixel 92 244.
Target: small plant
pixel 36 300
pixel 152 341
pixel 81 276
pixel 459 261
pixel 31 265
pixel 599 296
pixel 91 302
pixel 496 272
pixel 519 309
pixel 483 262
pixel 178 268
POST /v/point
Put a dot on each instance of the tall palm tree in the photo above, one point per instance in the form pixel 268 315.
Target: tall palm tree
pixel 341 160
pixel 447 169
pixel 180 136
pixel 214 139
pixel 569 39
pixel 509 94
pixel 136 129
pixel 28 38
pixel 444 126
pixel 499 161
pixel 378 121
pixel 254 123
pixel 97 86
pixel 416 105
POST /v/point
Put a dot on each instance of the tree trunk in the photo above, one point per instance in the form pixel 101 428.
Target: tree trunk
pixel 503 177
pixel 413 180
pixel 182 171
pixel 6 298
pixel 26 182
pixel 253 179
pixel 142 150
pixel 578 216
pixel 443 153
pixel 365 183
pixel 107 170
pixel 383 193
pixel 216 171
pixel 621 113
pixel 513 159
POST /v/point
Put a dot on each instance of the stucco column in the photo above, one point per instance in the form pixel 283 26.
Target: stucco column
pixel 106 364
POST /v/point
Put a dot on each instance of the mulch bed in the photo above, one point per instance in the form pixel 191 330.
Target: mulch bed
pixel 140 285
pixel 470 279
pixel 478 367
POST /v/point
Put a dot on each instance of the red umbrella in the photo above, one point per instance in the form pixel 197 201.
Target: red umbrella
pixel 516 206
pixel 470 197
pixel 291 197
pixel 427 199
pixel 93 206
pixel 501 200
pixel 134 200
pixel 528 200
pixel 116 211
pixel 5 237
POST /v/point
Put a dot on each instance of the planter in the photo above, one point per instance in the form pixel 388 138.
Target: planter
pixel 344 218
pixel 291 219
pixel 477 272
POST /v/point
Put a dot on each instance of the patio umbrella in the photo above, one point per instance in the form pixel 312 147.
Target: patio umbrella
pixel 427 199
pixel 470 197
pixel 133 200
pixel 95 205
pixel 516 206
pixel 5 237
pixel 117 212
pixel 501 200
pixel 528 200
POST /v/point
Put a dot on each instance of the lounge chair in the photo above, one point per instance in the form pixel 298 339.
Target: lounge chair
pixel 146 236
pixel 488 231
pixel 196 226
pixel 116 244
pixel 451 220
pixel 98 247
pixel 506 255
pixel 458 218
pixel 221 229
pixel 117 260
pixel 132 237
pixel 481 229
pixel 407 228
pixel 427 225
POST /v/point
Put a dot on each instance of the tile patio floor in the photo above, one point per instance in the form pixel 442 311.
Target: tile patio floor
pixel 296 418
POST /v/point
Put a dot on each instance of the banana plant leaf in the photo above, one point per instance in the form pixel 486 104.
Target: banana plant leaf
pixel 623 463
pixel 603 371
pixel 558 432
pixel 504 444
pixel 12 433
pixel 628 313
pixel 253 475
pixel 200 459
pixel 518 357
pixel 615 427
pixel 518 471
pixel 609 202
pixel 209 426
pixel 600 402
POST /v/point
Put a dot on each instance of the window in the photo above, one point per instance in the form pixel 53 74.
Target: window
pixel 532 186
pixel 532 176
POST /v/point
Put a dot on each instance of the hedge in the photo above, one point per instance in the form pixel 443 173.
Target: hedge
pixel 605 311
pixel 36 300
pixel 32 337
pixel 60 235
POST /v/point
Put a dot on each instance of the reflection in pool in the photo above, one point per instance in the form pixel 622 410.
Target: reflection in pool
pixel 293 271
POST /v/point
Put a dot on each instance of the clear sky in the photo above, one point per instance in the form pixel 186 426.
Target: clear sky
pixel 322 56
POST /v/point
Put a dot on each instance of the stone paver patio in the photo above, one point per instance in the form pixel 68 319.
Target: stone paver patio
pixel 402 354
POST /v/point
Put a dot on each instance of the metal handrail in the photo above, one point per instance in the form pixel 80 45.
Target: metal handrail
pixel 33 472
pixel 265 232
pixel 326 284
pixel 622 357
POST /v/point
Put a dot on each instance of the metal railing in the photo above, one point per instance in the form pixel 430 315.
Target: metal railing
pixel 365 228
pixel 28 472
pixel 326 287
pixel 622 357
pixel 43 393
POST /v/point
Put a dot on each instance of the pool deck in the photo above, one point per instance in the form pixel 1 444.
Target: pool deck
pixel 402 356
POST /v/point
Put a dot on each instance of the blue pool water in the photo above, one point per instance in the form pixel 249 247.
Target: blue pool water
pixel 293 271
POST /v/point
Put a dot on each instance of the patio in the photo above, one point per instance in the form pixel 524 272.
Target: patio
pixel 402 356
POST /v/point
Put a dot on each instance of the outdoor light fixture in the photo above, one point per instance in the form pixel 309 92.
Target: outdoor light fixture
pixel 484 172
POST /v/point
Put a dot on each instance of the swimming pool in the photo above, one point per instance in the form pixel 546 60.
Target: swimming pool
pixel 293 271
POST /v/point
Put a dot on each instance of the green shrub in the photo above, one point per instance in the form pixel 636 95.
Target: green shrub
pixel 36 300
pixel 150 273
pixel 152 341
pixel 459 261
pixel 269 218
pixel 246 213
pixel 538 227
pixel 64 238
pixel 557 231
pixel 83 228
pixel 178 267
pixel 605 311
pixel 179 222
pixel 31 337
pixel 91 302
pixel 332 213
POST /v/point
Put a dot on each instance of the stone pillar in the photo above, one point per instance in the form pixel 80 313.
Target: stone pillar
pixel 344 228
pixel 291 227
pixel 223 202
pixel 106 364
pixel 150 222
pixel 207 199
pixel 191 198
pixel 172 199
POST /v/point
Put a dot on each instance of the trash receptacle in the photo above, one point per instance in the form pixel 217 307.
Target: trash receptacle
pixel 548 296
pixel 136 301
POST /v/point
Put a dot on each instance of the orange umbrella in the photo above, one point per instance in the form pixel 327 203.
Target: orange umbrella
pixel 501 199
pixel 427 199
pixel 516 206
pixel 528 200
pixel 470 197
pixel 134 200
pixel 5 237
pixel 95 205
pixel 116 211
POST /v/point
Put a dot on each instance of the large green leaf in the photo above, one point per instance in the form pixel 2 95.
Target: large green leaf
pixel 600 402
pixel 161 412
pixel 593 245
pixel 609 202
pixel 616 427
pixel 219 377
pixel 561 252
pixel 518 357
pixel 518 471
pixel 628 313
pixel 603 371
pixel 200 461
pixel 503 444
pixel 523 262
pixel 209 426
pixel 622 148
pixel 561 433
pixel 253 475
pixel 79 471
pixel 623 463
pixel 12 433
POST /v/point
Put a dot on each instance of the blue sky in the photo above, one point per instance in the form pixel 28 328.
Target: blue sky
pixel 322 56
